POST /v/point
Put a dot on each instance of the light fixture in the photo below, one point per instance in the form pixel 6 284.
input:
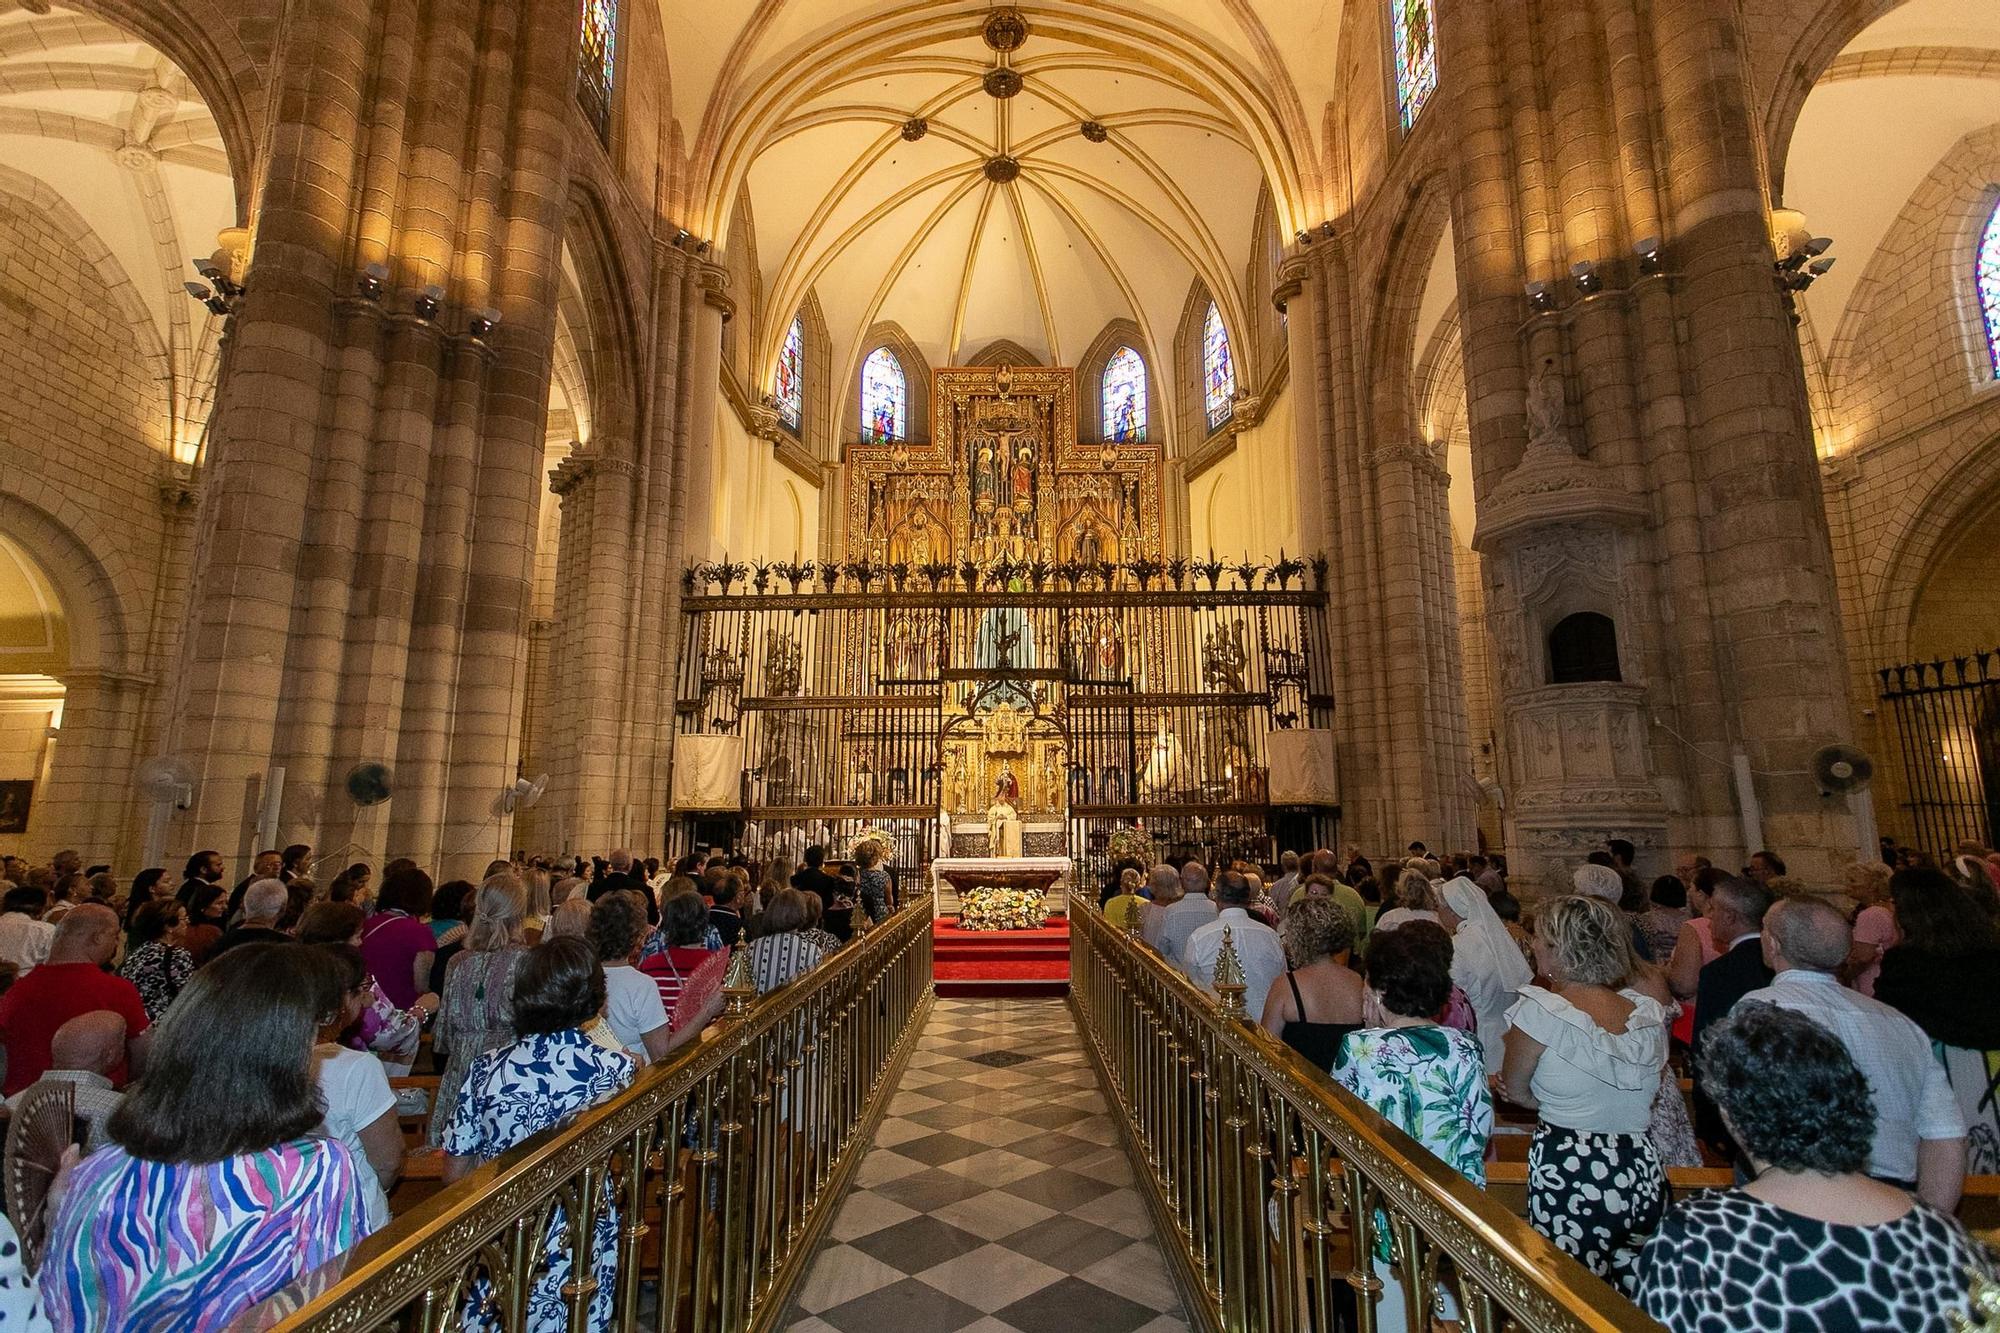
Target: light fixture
pixel 680 238
pixel 1648 250
pixel 429 301
pixel 1539 297
pixel 1304 238
pixel 701 247
pixel 371 281
pixel 201 293
pixel 1820 267
pixel 483 323
pixel 1584 272
pixel 1326 230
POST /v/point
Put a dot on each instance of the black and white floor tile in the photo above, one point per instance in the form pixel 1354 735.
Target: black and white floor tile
pixel 997 1196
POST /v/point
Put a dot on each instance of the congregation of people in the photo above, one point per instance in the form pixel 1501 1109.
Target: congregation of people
pixel 241 1056
pixel 1840 1041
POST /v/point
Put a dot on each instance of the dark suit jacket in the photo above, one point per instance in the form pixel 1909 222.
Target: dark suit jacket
pixel 1723 982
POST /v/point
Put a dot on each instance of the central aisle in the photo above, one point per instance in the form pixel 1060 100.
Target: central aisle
pixel 996 1196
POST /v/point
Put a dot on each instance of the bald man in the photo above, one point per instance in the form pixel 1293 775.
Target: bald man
pixel 82 1053
pixel 1919 1128
pixel 72 982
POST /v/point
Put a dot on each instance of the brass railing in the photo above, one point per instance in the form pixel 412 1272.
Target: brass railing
pixel 726 1164
pixel 1269 1182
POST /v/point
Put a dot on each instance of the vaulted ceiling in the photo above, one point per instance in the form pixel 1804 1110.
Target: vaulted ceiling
pixel 1117 158
pixel 113 144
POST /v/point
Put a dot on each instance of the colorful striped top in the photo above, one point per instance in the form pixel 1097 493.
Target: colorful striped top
pixel 189 1246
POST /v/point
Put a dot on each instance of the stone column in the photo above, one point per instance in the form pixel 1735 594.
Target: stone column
pixel 362 571
pixel 94 754
pixel 1641 442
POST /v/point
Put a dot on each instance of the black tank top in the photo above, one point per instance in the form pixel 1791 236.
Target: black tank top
pixel 1317 1042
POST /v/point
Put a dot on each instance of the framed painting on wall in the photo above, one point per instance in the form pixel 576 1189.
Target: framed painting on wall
pixel 16 795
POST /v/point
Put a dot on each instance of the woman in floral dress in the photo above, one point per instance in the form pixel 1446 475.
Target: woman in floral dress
pixel 545 1079
pixel 1427 1080
pixel 475 1014
pixel 157 965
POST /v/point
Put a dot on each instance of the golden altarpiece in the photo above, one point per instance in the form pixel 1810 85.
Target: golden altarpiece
pixel 1001 642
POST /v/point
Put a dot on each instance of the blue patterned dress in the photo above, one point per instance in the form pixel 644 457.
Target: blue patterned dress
pixel 180 1246
pixel 509 1096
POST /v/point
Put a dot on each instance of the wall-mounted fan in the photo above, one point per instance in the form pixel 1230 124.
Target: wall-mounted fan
pixel 368 784
pixel 521 796
pixel 166 780
pixel 1841 770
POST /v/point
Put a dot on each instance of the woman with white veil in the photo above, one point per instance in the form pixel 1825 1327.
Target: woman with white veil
pixel 1485 962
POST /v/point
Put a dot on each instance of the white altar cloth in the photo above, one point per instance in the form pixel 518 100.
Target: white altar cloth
pixel 945 897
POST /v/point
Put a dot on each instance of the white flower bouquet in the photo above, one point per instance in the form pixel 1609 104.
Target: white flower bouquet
pixel 1002 909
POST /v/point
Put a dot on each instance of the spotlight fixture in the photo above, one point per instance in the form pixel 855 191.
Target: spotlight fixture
pixel 215 304
pixel 681 238
pixel 217 279
pixel 429 301
pixel 1648 250
pixel 1304 238
pixel 701 247
pixel 1820 267
pixel 1326 230
pixel 371 281
pixel 1539 297
pixel 1585 274
pixel 1806 264
pixel 483 323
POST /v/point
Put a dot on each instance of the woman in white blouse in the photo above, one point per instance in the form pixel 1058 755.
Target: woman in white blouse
pixel 1586 1055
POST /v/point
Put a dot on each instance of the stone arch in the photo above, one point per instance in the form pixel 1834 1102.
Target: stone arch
pixel 916 379
pixel 97 590
pixel 599 310
pixel 1191 421
pixel 1120 332
pixel 1938 514
pixel 225 51
pixel 798 516
pixel 1004 352
pixel 1815 45
pixel 1412 248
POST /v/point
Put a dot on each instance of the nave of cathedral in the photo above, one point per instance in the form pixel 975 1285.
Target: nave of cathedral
pixel 702 546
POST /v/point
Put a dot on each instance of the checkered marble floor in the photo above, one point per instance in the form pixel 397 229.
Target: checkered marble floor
pixel 996 1196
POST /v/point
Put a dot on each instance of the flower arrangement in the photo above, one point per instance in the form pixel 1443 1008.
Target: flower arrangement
pixel 1002 909
pixel 1131 844
pixel 876 835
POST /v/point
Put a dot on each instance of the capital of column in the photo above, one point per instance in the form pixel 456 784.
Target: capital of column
pixel 713 280
pixel 765 423
pixel 1290 284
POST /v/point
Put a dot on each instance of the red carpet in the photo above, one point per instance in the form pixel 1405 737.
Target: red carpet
pixel 1001 962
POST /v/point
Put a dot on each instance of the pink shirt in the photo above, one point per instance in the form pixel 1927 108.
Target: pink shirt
pixel 390 943
pixel 1876 926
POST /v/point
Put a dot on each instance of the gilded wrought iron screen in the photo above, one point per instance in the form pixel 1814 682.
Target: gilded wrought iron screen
pixel 1087 698
pixel 1948 723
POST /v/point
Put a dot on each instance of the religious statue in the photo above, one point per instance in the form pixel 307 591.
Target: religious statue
pixel 1548 411
pixel 920 548
pixel 1023 481
pixel 1003 818
pixel 954 778
pixel 1224 657
pixel 1007 790
pixel 1052 779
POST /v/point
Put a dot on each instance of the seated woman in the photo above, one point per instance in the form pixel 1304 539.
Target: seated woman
pixel 1811 1242
pixel 1586 1056
pixel 1426 1080
pixel 618 930
pixel 544 1079
pixel 221 1131
pixel 783 950
pixel 1318 1001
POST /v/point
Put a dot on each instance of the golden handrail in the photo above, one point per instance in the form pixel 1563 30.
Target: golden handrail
pixel 743 1144
pixel 1268 1181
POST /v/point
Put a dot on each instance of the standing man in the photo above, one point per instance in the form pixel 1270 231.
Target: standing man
pixel 203 869
pixel 1258 947
pixel 1736 921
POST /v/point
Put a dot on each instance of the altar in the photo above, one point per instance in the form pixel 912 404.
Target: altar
pixel 955 879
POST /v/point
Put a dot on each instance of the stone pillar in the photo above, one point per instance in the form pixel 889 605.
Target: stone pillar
pixel 1641 443
pixel 93 753
pixel 362 570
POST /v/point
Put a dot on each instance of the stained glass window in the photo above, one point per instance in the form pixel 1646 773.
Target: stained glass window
pixel 1416 56
pixel 597 62
pixel 1218 371
pixel 885 398
pixel 1124 392
pixel 1989 285
pixel 790 388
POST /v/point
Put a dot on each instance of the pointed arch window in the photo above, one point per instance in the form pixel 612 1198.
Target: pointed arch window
pixel 790 388
pixel 1218 369
pixel 1414 23
pixel 885 398
pixel 597 62
pixel 1124 393
pixel 1987 275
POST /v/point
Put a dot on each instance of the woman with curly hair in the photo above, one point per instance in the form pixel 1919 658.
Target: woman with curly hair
pixel 1318 1001
pixel 1586 1056
pixel 1811 1242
